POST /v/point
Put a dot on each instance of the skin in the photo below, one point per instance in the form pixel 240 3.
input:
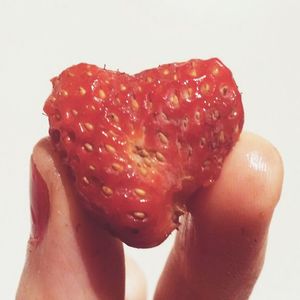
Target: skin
pixel 218 252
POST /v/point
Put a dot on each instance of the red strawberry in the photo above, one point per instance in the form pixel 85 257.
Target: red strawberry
pixel 139 146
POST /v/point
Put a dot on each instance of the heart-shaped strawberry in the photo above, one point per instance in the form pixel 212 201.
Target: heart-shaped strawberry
pixel 139 146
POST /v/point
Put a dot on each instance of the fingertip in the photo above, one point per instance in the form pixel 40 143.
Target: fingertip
pixel 220 247
pixel 249 185
pixel 265 171
pixel 86 261
pixel 43 156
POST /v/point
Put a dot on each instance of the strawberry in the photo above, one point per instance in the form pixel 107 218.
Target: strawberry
pixel 139 146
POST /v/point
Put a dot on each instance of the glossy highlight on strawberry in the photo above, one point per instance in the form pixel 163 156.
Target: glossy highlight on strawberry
pixel 139 146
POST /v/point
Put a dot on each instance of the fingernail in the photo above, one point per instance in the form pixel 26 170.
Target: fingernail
pixel 39 204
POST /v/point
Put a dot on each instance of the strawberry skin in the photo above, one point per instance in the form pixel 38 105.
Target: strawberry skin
pixel 139 146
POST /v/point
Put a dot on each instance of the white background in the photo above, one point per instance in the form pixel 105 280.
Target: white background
pixel 258 40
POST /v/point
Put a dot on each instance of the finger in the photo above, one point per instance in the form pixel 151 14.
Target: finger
pixel 69 255
pixel 135 281
pixel 220 248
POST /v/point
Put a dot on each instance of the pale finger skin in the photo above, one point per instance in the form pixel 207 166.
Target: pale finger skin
pixel 75 258
pixel 220 247
pixel 209 260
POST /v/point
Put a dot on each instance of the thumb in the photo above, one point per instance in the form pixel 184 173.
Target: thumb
pixel 69 255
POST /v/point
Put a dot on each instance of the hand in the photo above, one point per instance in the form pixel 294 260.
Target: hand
pixel 218 252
